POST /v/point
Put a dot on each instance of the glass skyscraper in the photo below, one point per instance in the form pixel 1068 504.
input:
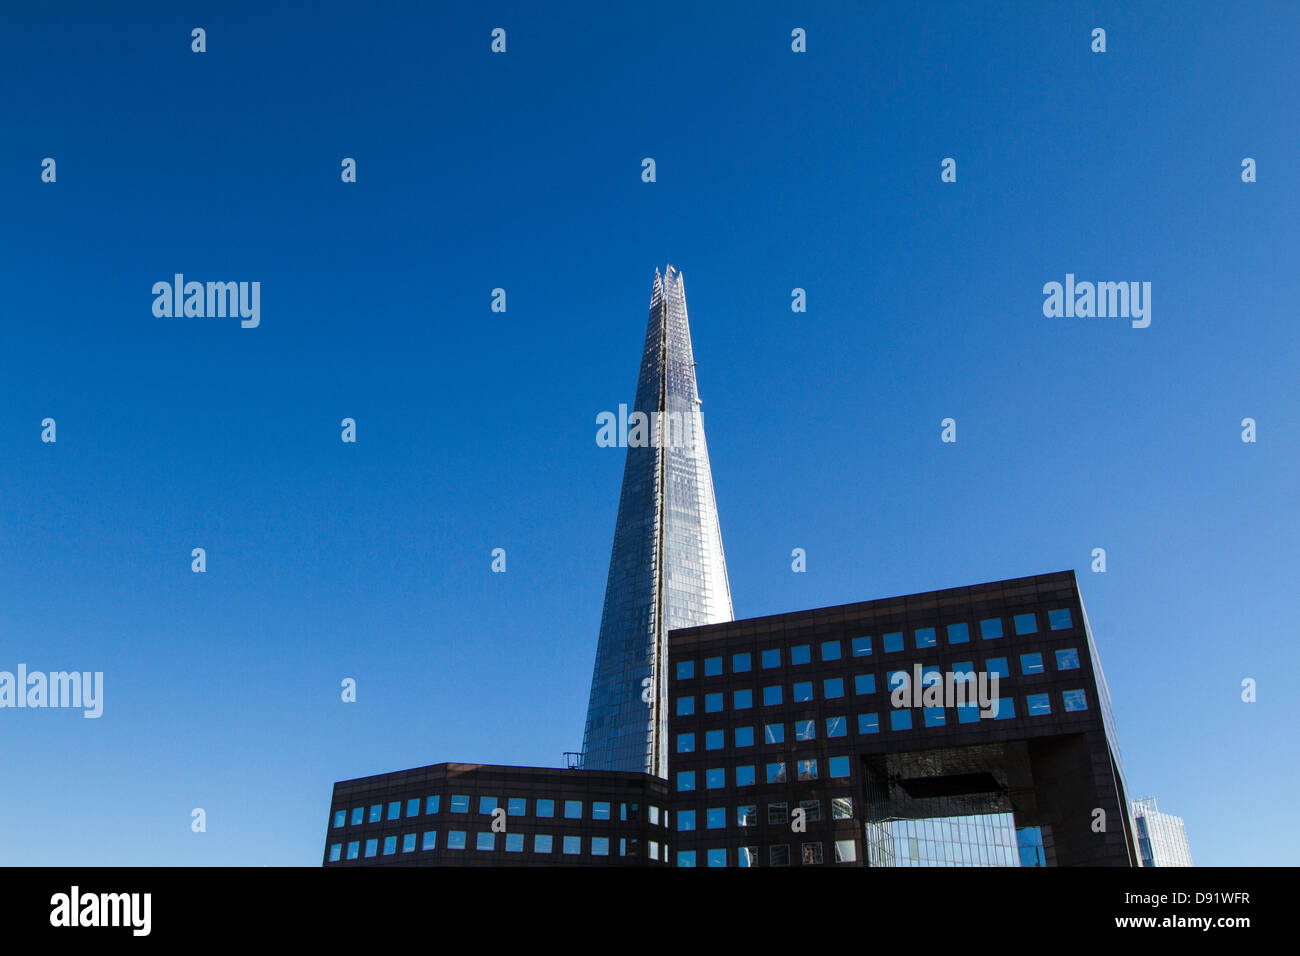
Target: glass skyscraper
pixel 1162 837
pixel 667 568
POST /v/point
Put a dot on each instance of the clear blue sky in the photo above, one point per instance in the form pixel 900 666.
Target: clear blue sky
pixel 477 429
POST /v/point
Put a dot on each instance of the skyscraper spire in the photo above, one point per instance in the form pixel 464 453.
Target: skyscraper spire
pixel 667 568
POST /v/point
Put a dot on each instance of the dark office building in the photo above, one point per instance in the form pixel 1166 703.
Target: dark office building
pixel 786 747
pixel 456 814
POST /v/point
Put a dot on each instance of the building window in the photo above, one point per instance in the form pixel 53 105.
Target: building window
pixel 357 814
pixel 801 691
pixel 1067 659
pixel 772 657
pixel 991 629
pixel 1006 708
pixel 516 806
pixel 514 843
pixel 743 699
pixel 686 743
pixel 897 679
pixel 542 843
pixel 712 666
pixel 1038 704
pixel 968 713
pixel 408 843
pixel 778 814
pixel 654 816
pixel 839 767
pixel 354 847
pixel 685 780
pixel 714 739
pixel 836 727
pixel 833 687
pixel 455 839
pixel 459 803
pixel 485 841
pixel 1059 620
pixel 776 772
pixel 740 663
pixel 429 840
pixel 846 851
pixel 778 855
pixel 1031 663
pixel 805 730
pixel 868 723
pixel 772 695
pixel 800 654
pixel 572 845
pixel 933 716
pixel 336 851
pixel 685 820
pixel 745 776
pixel 958 634
pixel 372 847
pixel 377 813
pixel 841 808
pixel 654 849
pixel 747 856
pixel 1074 700
pixel 774 733
pixel 1026 624
pixel 413 807
pixel 685 857
pixel 685 670
pixel 629 811
pixel 812 810
pixel 573 809
pixel 925 637
pixel 685 706
pixel 744 736
pixel 600 846
pixel 893 642
pixel 431 804
pixel 715 818
pixel 747 815
pixel 900 720
pixel 395 810
pixel 811 854
pixel 546 808
pixel 715 778
pixel 864 684
pixel 340 817
pixel 997 665
pixel 712 703
pixel 831 650
pixel 861 646
pixel 599 810
pixel 807 769
pixel 487 805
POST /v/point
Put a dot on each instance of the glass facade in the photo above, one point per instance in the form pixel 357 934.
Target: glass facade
pixel 1161 837
pixel 667 568
pixel 987 839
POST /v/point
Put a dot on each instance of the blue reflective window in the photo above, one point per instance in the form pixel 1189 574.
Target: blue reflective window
pixel 487 805
pixel 774 733
pixel 715 777
pixel 712 703
pixel 600 846
pixel 395 810
pixel 685 780
pixel 925 637
pixel 930 675
pixel 431 804
pixel 372 847
pixel 744 736
pixel 685 820
pixel 864 684
pixel 712 666
pixel 516 806
pixel 485 841
pixel 805 730
pixel 1026 624
pixel 572 845
pixel 839 767
pixel 390 845
pixel 514 843
pixel 934 716
pixel 714 739
pixel 862 647
pixel 376 813
pixel 745 776
pixel 958 634
pixel 546 808
pixel 772 657
pixel 991 629
pixel 1031 663
pixel 573 809
pixel 964 668
pixel 543 843
pixel 968 714
pixel 600 809
pixel 1006 707
pixel 900 720
pixel 685 857
pixel 831 650
pixel 685 670
pixel 897 679
pixel 776 772
pixel 893 641
pixel 772 695
pixel 1038 704
pixel 1059 619
pixel 807 769
pixel 429 840
pixel 1074 700
pixel 836 727
pixel 357 815
pixel 997 665
pixel 868 723
pixel 801 691
pixel 717 857
pixel 354 849
pixel 413 807
pixel 801 654
pixel 1067 659
pixel 833 687
pixel 740 663
pixel 340 817
pixel 743 699
pixel 685 706
pixel 715 818
pixel 336 851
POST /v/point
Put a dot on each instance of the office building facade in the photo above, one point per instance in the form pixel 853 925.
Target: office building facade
pixel 1161 837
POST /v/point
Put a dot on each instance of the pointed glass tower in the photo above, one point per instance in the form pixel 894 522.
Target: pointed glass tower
pixel 667 568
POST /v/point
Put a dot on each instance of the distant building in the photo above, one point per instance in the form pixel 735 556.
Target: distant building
pixel 1162 837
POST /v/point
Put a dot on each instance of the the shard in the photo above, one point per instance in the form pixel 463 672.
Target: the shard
pixel 667 568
